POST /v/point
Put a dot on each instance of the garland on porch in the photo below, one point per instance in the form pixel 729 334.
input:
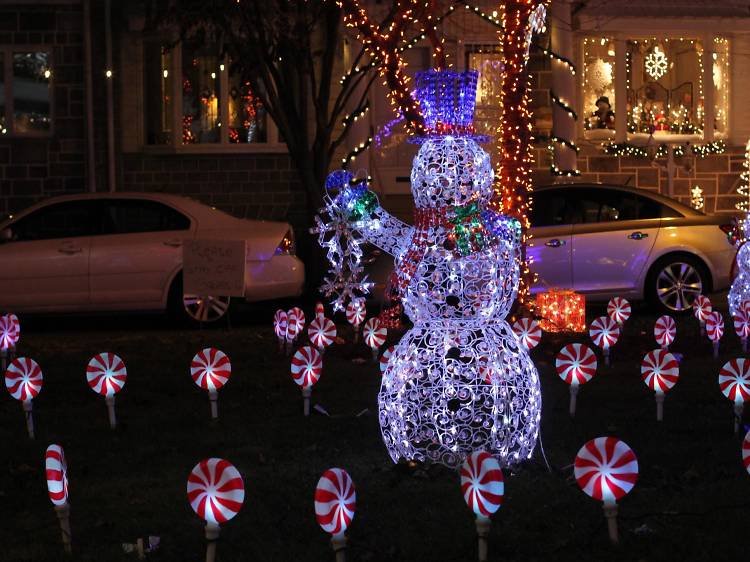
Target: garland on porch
pixel 630 149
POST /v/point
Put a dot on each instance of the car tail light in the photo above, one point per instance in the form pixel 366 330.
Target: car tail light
pixel 732 232
pixel 286 246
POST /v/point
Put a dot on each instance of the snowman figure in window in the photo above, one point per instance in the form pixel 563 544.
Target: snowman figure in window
pixel 458 381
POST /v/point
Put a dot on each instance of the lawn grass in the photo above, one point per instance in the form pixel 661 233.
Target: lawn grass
pixel 692 501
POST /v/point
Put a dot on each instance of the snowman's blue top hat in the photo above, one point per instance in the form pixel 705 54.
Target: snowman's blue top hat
pixel 447 100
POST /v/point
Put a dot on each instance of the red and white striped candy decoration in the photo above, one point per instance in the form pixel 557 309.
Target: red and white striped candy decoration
pixel 355 312
pixel 482 483
pixel 374 333
pixel 618 309
pixel 385 358
pixel 23 378
pixel 715 326
pixel 106 374
pixel 322 332
pixel 528 331
pixel 665 330
pixel 210 368
pixel 215 490
pixel 57 474
pixel 734 380
pixel 741 323
pixel 702 307
pixel 320 310
pixel 292 326
pixel 745 307
pixel 299 317
pixel 8 332
pixel 335 501
pixel 604 332
pixel 746 451
pixel 307 365
pixel 279 324
pixel 660 370
pixel 576 363
pixel 606 469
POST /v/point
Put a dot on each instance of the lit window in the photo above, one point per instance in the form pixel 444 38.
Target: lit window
pixel 599 84
pixel 488 60
pixel 27 111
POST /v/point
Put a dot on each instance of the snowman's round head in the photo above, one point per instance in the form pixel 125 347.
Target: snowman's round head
pixel 451 171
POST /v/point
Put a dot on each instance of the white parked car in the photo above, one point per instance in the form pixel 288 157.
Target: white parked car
pixel 123 251
pixel 608 241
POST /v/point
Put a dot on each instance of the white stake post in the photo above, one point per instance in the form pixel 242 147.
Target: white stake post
pixel 610 512
pixel 356 333
pixel 606 356
pixel 281 345
pixel 63 516
pixel 738 408
pixel 212 535
pixel 659 405
pixel 744 345
pixel 110 400
pixel 27 408
pixel 338 543
pixel 573 395
pixel 306 393
pixel 703 328
pixel 716 349
pixel 213 397
pixel 483 532
pixel 374 354
pixel 4 359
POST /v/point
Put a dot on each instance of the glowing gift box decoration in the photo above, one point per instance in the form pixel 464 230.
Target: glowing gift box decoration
pixel 561 310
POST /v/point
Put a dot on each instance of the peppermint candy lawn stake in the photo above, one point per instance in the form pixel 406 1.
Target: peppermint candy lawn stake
pixel 734 381
pixel 299 316
pixel 307 366
pixel 528 331
pixel 606 469
pixel 374 334
pixel 701 309
pixel 335 504
pixel 715 329
pixel 279 328
pixel 618 309
pixel 604 332
pixel 660 371
pixel 385 358
pixel 106 374
pixel 746 452
pixel 10 331
pixel 322 332
pixel 56 470
pixel 211 370
pixel 216 492
pixel 355 315
pixel 320 310
pixel 292 330
pixel 483 489
pixel 23 378
pixel 665 331
pixel 742 326
pixel 576 365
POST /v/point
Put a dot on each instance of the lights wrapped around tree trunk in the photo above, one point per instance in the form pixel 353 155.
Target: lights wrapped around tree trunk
pixel 561 310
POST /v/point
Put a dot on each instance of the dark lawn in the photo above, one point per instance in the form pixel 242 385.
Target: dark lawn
pixel 692 501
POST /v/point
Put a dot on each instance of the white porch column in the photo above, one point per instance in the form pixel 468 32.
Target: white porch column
pixel 708 87
pixel 563 83
pixel 621 91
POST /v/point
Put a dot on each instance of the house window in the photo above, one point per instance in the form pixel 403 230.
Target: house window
pixel 599 84
pixel 488 60
pixel 25 94
pixel 195 97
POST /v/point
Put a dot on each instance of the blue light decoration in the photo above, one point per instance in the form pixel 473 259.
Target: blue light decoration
pixel 459 380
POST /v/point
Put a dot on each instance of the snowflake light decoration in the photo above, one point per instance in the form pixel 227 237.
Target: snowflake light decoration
pixel 696 197
pixel 600 75
pixel 656 63
pixel 459 380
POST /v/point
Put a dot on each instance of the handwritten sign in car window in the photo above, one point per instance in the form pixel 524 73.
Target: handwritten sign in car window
pixel 214 268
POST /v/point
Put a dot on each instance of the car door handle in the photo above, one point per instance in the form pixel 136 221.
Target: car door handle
pixel 173 243
pixel 70 250
pixel 638 235
pixel 555 243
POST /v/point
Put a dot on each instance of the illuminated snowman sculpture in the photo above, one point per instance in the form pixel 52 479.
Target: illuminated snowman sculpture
pixel 458 381
pixel 740 291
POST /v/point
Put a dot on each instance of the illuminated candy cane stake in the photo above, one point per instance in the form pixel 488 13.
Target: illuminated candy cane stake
pixel 618 309
pixel 701 309
pixel 715 330
pixel 24 381
pixel 320 310
pixel 742 326
pixel 279 328
pixel 307 366
pixel 335 504
pixel 322 332
pixel 734 382
pixel 57 485
pixel 216 493
pixel 106 375
pixel 665 331
pixel 211 370
pixel 604 332
pixel 483 488
pixel 660 371
pixel 576 364
pixel 606 469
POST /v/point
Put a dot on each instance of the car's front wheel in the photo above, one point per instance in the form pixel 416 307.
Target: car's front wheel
pixel 194 308
pixel 674 283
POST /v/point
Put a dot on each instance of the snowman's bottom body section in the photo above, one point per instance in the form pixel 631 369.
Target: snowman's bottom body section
pixel 452 388
pixel 740 290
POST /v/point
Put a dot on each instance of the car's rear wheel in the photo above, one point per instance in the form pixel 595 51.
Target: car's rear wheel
pixel 674 283
pixel 196 309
